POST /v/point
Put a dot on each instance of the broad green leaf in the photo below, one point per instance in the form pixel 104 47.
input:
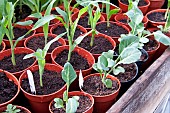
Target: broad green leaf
pixel 63 14
pixel 108 54
pixel 76 97
pixel 36 15
pixel 144 40
pixel 160 37
pixel 118 70
pixel 48 10
pixel 72 105
pixel 25 23
pixel 58 103
pixel 113 11
pixel 111 62
pixel 96 68
pixel 28 56
pixel 68 73
pixel 129 55
pixel 102 63
pixel 108 83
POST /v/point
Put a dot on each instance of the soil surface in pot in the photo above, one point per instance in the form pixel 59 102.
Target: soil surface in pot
pixel 18 32
pixel 141 2
pixel 61 29
pixel 21 63
pixel 84 104
pixel 26 11
pixel 77 61
pixel 39 42
pixel 52 82
pixel 130 72
pixel 1 47
pixel 157 16
pixel 100 45
pixel 151 45
pixel 21 111
pixel 94 86
pixel 123 21
pixel 7 88
pixel 113 31
pixel 84 21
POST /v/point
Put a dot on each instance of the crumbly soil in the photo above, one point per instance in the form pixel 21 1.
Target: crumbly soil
pixel 39 42
pixel 77 61
pixel 61 29
pixel 124 21
pixel 157 17
pixel 151 45
pixel 130 72
pixel 84 21
pixel 18 32
pixel 52 82
pixel 26 11
pixel 113 31
pixel 84 104
pixel 7 88
pixel 94 86
pixel 21 64
pixel 141 2
pixel 100 45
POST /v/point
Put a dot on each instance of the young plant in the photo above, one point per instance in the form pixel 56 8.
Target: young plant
pixel 128 53
pixel 11 109
pixel 40 56
pixel 68 75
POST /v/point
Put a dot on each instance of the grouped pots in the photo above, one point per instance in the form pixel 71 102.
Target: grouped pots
pixel 155 4
pixel 123 19
pixel 21 64
pixel 13 79
pixel 38 41
pixel 143 8
pixel 40 103
pixel 23 109
pixel 102 43
pixel 77 93
pixel 156 17
pixel 2 46
pixel 20 31
pixel 102 102
pixel 114 30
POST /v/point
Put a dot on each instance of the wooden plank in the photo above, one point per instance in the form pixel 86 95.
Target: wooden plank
pixel 146 93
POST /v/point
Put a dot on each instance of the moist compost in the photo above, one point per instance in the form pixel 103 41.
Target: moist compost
pixel 130 72
pixel 84 104
pixel 113 31
pixel 18 32
pixel 21 63
pixel 77 61
pixel 7 88
pixel 26 11
pixel 94 86
pixel 125 21
pixel 52 82
pixel 100 45
pixel 39 42
pixel 151 45
pixel 141 2
pixel 61 29
pixel 157 16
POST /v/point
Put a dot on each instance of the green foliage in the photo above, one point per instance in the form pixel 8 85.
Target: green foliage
pixel 68 75
pixel 11 109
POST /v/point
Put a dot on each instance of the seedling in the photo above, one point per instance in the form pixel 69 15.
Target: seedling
pixel 68 75
pixel 11 109
pixel 40 56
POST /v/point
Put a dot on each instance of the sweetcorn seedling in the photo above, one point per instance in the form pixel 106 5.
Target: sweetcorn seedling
pixel 11 109
pixel 68 75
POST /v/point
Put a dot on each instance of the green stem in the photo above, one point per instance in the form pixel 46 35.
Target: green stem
pixel 92 38
pixel 13 56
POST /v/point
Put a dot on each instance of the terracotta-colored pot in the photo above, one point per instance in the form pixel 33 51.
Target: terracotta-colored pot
pixel 78 93
pixel 119 17
pixel 74 17
pixel 18 107
pixel 18 50
pixel 21 42
pixel 48 56
pixel 85 54
pixel 40 103
pixel 106 37
pixel 14 79
pixel 144 9
pixel 60 24
pixel 115 38
pixel 153 23
pixel 103 103
pixel 3 45
pixel 111 8
pixel 155 4
pixel 40 29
